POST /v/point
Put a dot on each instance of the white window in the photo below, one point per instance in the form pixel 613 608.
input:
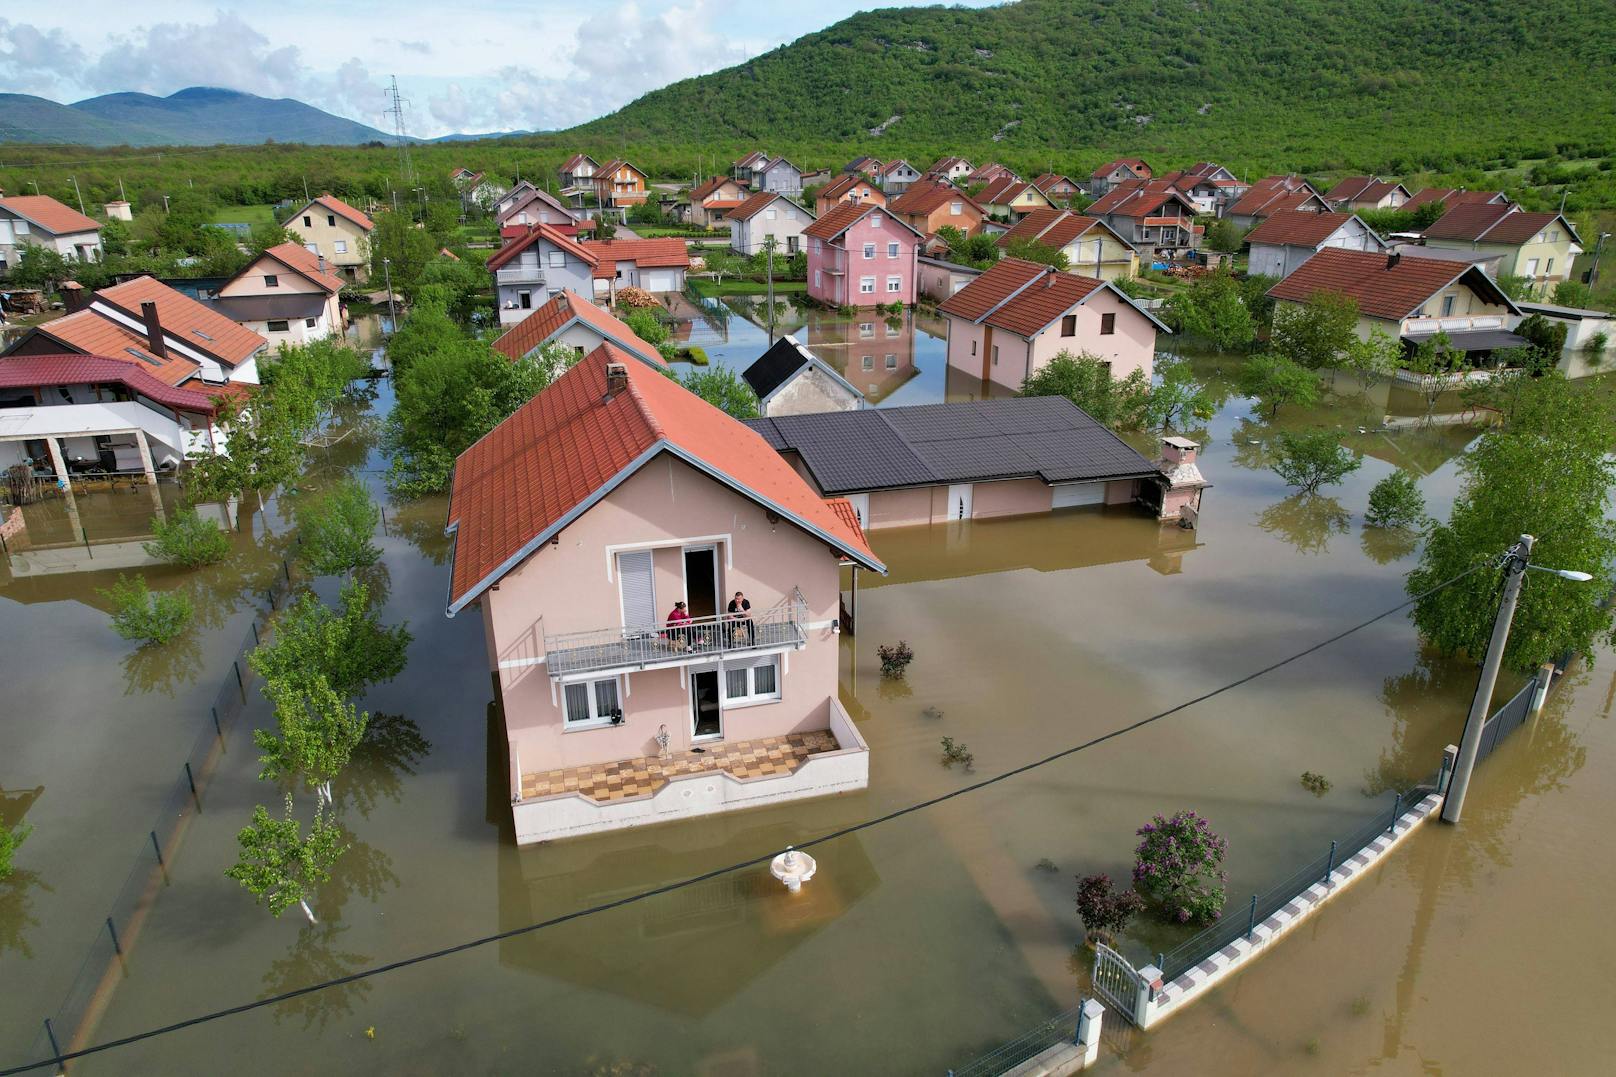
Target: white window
pixel 894 284
pixel 869 362
pixel 1447 305
pixel 867 285
pixel 892 250
pixel 557 260
pixel 754 681
pixel 1548 267
pixel 342 246
pixel 869 251
pixel 1531 267
pixel 875 220
pixel 1554 235
pixel 892 361
pixel 818 278
pixel 956 208
pixel 592 703
pixel 772 215
pixel 21 227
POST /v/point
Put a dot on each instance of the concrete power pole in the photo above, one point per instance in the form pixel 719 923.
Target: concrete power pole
pixel 1470 744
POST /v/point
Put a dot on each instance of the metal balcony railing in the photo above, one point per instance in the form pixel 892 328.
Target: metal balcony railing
pixel 681 643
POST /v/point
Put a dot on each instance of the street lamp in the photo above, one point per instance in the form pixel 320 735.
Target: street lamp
pixel 1516 563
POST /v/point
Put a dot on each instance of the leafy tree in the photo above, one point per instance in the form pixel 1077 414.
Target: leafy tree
pixel 1274 381
pixel 346 649
pixel 1033 251
pixel 979 251
pixel 336 529
pixel 1396 502
pixel 187 539
pixel 138 613
pixel 1224 235
pixel 39 267
pixel 1086 381
pixel 605 226
pixel 1548 474
pixel 1177 394
pixel 647 212
pixel 406 248
pixel 1254 293
pixel 1213 309
pixel 265 450
pixel 1179 865
pixel 453 286
pixel 10 839
pixel 1548 338
pixel 1104 910
pixel 1313 459
pixel 115 238
pixel 1437 366
pixel 1572 293
pixel 266 234
pixel 1375 359
pixel 723 389
pixel 1317 333
pixel 1516 287
pixel 280 865
pixel 318 733
pixel 653 330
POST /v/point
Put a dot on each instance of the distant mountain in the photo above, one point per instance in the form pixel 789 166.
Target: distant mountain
pixel 479 138
pixel 198 116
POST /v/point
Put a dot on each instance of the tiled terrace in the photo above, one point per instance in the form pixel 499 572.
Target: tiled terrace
pixel 765 757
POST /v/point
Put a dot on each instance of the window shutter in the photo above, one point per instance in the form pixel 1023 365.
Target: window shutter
pixel 639 594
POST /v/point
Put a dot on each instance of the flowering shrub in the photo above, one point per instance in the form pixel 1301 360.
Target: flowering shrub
pixel 895 658
pixel 1179 866
pixel 1103 909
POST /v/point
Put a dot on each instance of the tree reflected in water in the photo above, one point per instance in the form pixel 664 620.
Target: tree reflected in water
pixel 163 667
pixel 317 957
pixel 392 747
pixel 1306 521
pixel 362 869
pixel 1383 545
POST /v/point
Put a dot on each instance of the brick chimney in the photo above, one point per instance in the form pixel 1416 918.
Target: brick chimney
pixel 1177 450
pixel 616 379
pixel 154 330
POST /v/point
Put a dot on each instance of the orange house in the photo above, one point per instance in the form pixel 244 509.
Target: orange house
pixel 926 207
pixel 618 183
pixel 849 187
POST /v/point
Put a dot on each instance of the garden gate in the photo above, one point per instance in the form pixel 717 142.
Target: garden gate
pixel 1116 981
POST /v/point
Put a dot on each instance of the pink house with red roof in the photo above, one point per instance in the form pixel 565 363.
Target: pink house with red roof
pixel 860 255
pixel 602 533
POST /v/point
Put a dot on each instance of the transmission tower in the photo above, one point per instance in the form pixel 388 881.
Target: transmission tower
pixel 395 109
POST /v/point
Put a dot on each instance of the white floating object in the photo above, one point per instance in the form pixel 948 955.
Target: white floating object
pixel 793 868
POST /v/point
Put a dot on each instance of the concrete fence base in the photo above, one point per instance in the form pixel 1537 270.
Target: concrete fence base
pixel 1065 1058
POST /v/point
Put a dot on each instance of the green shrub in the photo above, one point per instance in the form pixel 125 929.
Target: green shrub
pixel 138 613
pixel 188 540
pixel 1396 501
pixel 10 839
pixel 336 530
pixel 1313 459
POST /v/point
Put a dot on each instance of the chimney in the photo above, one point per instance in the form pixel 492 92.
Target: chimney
pixel 319 260
pixel 1177 450
pixel 154 330
pixel 72 295
pixel 616 379
pixel 1392 258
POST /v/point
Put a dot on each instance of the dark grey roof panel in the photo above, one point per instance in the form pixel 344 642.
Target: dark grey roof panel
pixel 765 427
pixel 967 459
pixel 939 422
pixel 771 369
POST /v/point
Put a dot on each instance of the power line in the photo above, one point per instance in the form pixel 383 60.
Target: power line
pixel 762 858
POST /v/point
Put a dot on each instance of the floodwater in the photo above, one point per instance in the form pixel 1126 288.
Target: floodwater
pixel 921 942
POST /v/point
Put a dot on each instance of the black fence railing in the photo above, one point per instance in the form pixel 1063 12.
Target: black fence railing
pixel 1062 1028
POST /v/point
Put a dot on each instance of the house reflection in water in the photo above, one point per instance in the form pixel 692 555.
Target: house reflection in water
pixel 876 354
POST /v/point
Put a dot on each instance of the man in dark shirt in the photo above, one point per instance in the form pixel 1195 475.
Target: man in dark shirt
pixel 740 623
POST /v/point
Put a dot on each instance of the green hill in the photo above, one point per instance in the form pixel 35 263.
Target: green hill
pixel 1390 84
pixel 198 116
pixel 34 119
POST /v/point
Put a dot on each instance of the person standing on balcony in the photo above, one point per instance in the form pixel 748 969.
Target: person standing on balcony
pixel 740 623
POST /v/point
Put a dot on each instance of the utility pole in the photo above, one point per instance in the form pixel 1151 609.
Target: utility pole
pixel 392 311
pixel 1593 270
pixel 768 245
pixel 306 189
pixel 395 109
pixel 78 194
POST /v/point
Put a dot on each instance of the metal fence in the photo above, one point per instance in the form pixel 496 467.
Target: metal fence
pixel 74 1021
pixel 1507 720
pixel 1062 1028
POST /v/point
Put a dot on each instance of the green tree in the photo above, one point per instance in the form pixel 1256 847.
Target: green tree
pixel 11 837
pixel 336 529
pixel 406 248
pixel 141 614
pixel 605 226
pixel 347 649
pixel 187 539
pixel 115 238
pixel 723 389
pixel 1030 250
pixel 267 234
pixel 1375 359
pixel 1572 293
pixel 1312 459
pixel 979 251
pixel 1396 502
pixel 1177 395
pixel 1086 381
pixel 1213 309
pixel 1317 333
pixel 1179 865
pixel 651 329
pixel 1224 235
pixel 264 451
pixel 1274 381
pixel 279 865
pixel 39 267
pixel 1547 474
pixel 1516 287
pixel 1437 366
pixel 318 733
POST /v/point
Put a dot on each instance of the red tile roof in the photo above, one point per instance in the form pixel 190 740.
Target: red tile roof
pixel 305 263
pixel 1384 286
pixel 19 371
pixel 1489 223
pixel 843 215
pixel 996 284
pixel 566 309
pixel 572 443
pixel 1021 297
pixel 1452 196
pixel 340 208
pixel 1051 227
pixel 535 233
pixel 187 321
pixel 1003 191
pixel 840 186
pixel 1133 164
pixel 1267 198
pixel 1138 198
pixel 1298 228
pixel 924 198
pixel 91 334
pixel 946 164
pixel 575 160
pixel 646 253
pixel 707 187
pixel 753 205
pixel 1050 179
pixel 1361 189
pixel 45 212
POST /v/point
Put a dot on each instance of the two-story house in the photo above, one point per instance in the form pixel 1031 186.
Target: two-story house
pixel 1287 239
pixel 930 204
pixel 35 220
pixel 1453 196
pixel 1273 194
pixel 578 171
pixel 1057 188
pixel 865 165
pixel 337 232
pixel 897 176
pixel 763 215
pixel 992 172
pixel 536 206
pixel 1366 192
pixel 1150 215
pixel 1010 199
pixel 1092 247
pixel 618 183
pixel 604 530
pixel 744 171
pixel 538 266
pixel 653 265
pixel 518 190
pixel 1112 173
pixel 476 188
pixel 1537 246
pixel 951 169
pixel 848 187
pixel 710 200
pixel 860 255
pixel 574 321
pixel 1007 324
pixel 286 295
pixel 778 175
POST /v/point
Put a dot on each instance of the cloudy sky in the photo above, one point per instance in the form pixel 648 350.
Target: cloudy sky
pixel 492 65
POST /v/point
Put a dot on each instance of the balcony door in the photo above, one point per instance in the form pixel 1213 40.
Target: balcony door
pixel 701 581
pixel 706 714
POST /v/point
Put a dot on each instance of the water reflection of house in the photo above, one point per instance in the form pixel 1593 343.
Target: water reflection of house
pixel 875 354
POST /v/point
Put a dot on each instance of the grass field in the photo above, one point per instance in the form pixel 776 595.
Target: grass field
pixel 244 215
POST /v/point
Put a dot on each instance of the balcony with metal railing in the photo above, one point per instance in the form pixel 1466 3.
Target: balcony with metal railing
pixel 520 274
pixel 681 643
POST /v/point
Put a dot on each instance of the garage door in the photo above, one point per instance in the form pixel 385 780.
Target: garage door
pixel 1072 494
pixel 660 280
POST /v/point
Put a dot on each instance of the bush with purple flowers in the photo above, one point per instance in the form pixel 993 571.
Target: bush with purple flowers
pixel 1180 867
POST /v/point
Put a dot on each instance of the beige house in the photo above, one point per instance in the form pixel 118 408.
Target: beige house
pixel 286 295
pixel 1011 199
pixel 334 230
pixel 1537 246
pixel 1092 247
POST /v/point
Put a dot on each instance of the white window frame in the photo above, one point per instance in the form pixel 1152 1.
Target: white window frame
pixel 1448 303
pixel 341 246
pixel 753 697
pixel 596 719
pixel 868 362
pixel 558 260
pixel 869 252
pixel 894 284
pixel 866 330
pixel 956 208
pixel 1531 267
pixel 892 361
pixel 866 286
pixel 892 250
pixel 875 220
pixel 771 214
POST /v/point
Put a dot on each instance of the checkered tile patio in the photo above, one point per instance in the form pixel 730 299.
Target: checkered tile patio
pixel 605 782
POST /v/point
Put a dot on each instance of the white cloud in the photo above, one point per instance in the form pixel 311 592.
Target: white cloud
pixel 227 52
pixel 36 61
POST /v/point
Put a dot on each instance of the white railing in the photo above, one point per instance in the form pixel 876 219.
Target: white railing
pixel 1453 325
pixel 520 275
pixel 678 643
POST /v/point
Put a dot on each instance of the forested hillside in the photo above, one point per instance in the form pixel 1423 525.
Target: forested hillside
pixel 1394 84
pixel 198 116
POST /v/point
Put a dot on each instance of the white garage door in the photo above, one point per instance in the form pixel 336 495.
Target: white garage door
pixel 660 280
pixel 1072 494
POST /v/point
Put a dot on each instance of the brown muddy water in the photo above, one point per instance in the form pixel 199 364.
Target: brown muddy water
pixel 922 942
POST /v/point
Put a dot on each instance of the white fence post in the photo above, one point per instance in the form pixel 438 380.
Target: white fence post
pixel 1088 1030
pixel 1150 982
pixel 1545 676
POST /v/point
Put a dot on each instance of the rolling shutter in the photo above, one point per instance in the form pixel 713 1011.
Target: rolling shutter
pixel 1072 494
pixel 639 593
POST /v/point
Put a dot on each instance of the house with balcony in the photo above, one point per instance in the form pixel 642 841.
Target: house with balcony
pixel 1010 199
pixel 848 187
pixel 860 255
pixel 286 295
pixel 1366 192
pixel 1092 247
pixel 1287 239
pixel 580 525
pixel 1151 216
pixel 618 183
pixel 1057 188
pixel 763 216
pixel 896 177
pixel 336 231
pixel 578 171
pixel 1007 324
pixel 745 170
pixel 37 220
pixel 653 265
pixel 1537 246
pixel 536 206
pixel 572 320
pixel 538 266
pixel 710 200
pixel 1409 298
pixel 930 204
pixel 1113 173
pixel 1272 194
